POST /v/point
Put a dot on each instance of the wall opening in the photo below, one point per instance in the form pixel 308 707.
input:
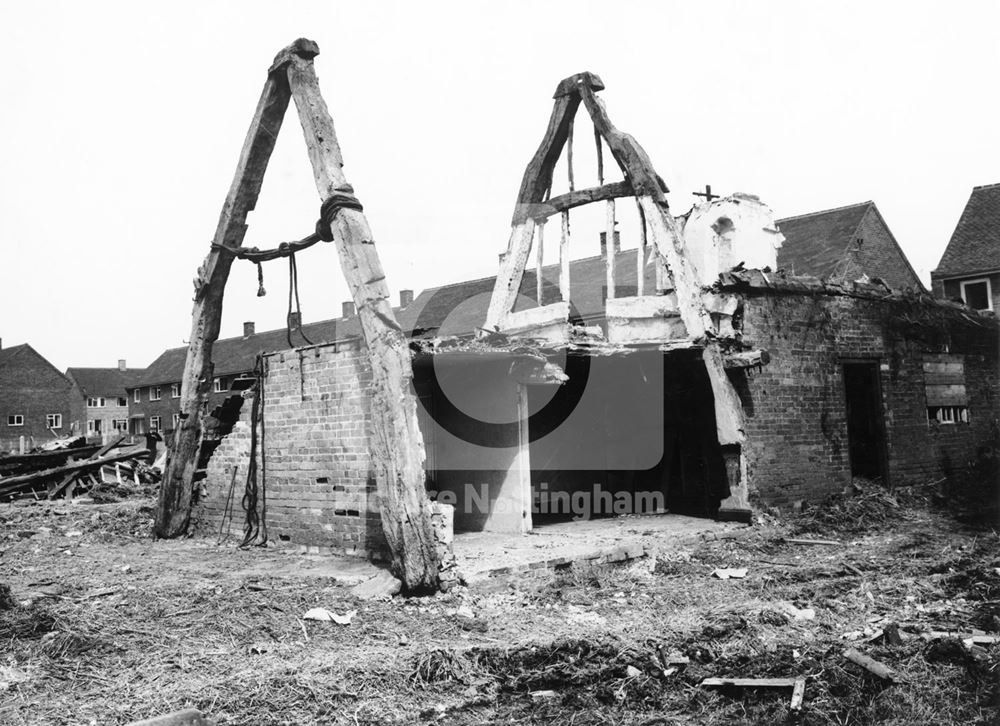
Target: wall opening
pixel 865 424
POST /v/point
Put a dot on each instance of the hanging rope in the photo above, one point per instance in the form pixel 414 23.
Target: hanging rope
pixel 254 497
pixel 261 292
pixel 293 292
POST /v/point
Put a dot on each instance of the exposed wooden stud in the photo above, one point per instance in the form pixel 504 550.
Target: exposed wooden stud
pixel 397 443
pixel 564 258
pixel 640 255
pixel 569 155
pixel 173 509
pixel 539 262
pixel 600 155
pixel 609 249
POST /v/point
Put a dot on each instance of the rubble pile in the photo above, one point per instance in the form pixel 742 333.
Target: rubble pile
pixel 71 467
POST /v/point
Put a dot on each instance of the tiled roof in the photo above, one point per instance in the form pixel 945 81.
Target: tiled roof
pixel 816 243
pixel 460 308
pixel 104 381
pixel 8 354
pixel 975 244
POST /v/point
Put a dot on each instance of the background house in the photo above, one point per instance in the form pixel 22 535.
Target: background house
pixel 969 269
pixel 104 391
pixel 154 396
pixel 37 402
pixel 842 245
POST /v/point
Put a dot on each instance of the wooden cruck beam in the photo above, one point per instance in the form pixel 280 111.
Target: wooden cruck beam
pixel 397 444
pixel 534 206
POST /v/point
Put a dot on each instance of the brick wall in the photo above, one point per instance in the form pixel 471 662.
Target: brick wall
pixel 320 492
pixel 796 411
pixel 880 256
pixel 31 387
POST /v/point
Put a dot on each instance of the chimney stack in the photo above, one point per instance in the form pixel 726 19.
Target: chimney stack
pixel 604 243
pixel 347 308
pixel 295 320
pixel 405 298
pixel 121 364
pixel 248 329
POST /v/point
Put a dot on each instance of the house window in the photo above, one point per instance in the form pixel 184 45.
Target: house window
pixel 175 390
pixel 53 421
pixel 135 396
pixel 154 424
pixel 120 424
pixel 15 420
pixel 122 401
pixel 154 393
pixel 944 386
pixel 218 386
pixel 977 294
pixel 175 422
pixel 95 403
pixel 948 414
pixel 90 426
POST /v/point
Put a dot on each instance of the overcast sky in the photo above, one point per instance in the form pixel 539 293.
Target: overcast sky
pixel 123 121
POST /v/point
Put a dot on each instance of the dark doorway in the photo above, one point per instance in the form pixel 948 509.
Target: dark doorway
pixel 865 426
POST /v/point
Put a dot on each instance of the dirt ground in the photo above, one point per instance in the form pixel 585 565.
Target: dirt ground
pixel 105 626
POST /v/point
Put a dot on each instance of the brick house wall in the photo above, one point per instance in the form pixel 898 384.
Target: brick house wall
pixel 31 387
pixel 880 256
pixel 141 411
pixel 951 289
pixel 320 490
pixel 797 445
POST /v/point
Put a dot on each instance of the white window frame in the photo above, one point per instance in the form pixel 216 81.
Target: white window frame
pixel 119 424
pixel 175 390
pixel 155 393
pixel 91 428
pixel 15 419
pixel 989 290
pixel 175 420
pixel 948 415
pixel 56 419
pixel 98 402
pixel 122 401
pixel 217 385
pixel 135 395
pixel 154 424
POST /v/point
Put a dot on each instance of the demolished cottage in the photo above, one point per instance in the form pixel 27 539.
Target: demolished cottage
pixel 680 365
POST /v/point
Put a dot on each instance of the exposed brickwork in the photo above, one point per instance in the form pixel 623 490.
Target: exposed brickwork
pixel 320 492
pixel 797 421
pixel 32 388
pixel 877 255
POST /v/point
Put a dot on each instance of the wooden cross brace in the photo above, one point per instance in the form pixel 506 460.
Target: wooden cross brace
pixel 397 444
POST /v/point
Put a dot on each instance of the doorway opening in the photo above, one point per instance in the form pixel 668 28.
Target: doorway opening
pixel 865 424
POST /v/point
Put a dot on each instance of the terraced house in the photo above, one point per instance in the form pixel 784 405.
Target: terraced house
pixel 105 392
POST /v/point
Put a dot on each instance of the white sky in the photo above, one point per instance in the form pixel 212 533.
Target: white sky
pixel 123 121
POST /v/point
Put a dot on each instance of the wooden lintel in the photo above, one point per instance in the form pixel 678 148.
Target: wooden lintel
pixel 746 359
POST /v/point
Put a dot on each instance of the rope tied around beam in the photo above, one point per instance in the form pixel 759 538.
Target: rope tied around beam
pixel 341 198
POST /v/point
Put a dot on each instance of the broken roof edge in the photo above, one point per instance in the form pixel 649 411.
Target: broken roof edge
pixel 764 282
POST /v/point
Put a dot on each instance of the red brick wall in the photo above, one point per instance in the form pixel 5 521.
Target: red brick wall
pixel 320 493
pixel 796 425
pixel 31 387
pixel 880 256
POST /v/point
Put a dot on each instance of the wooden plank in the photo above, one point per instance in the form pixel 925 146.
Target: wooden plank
pixel 794 540
pixel 14 483
pixel 746 359
pixel 69 477
pixel 749 682
pixel 173 510
pixel 870 664
pixel 397 443
pixel 640 255
pixel 798 694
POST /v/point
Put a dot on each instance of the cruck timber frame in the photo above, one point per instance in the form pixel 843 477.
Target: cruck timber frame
pixel 397 444
pixel 534 207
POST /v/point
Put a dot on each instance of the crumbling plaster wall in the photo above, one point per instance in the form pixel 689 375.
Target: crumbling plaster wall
pixel 797 447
